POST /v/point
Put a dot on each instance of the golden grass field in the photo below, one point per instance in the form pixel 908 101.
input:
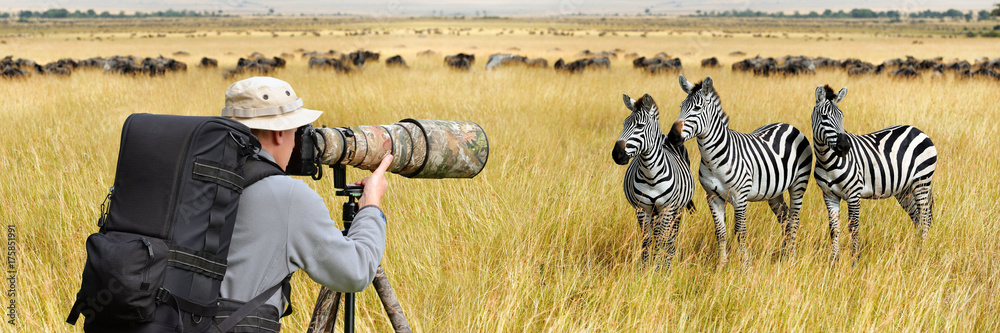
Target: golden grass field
pixel 542 239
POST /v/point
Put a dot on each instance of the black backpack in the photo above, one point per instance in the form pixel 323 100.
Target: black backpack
pixel 158 261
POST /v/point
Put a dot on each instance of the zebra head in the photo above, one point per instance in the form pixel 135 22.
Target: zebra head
pixel 698 111
pixel 827 120
pixel 640 130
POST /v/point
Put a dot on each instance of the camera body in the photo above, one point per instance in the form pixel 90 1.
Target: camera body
pixel 421 148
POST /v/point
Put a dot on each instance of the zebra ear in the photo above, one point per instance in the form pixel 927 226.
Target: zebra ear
pixel 707 84
pixel 629 102
pixel 648 104
pixel 841 94
pixel 820 94
pixel 685 85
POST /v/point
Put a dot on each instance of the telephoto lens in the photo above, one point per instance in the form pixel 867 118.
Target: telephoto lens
pixel 421 148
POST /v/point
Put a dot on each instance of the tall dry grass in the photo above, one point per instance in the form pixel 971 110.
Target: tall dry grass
pixel 542 239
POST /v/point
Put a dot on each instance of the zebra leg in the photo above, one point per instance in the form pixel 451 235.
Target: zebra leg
pixel 672 218
pixel 641 215
pixel 718 207
pixel 853 212
pixel 909 204
pixel 779 208
pixel 781 212
pixel 833 210
pixel 795 195
pixel 660 229
pixel 922 195
pixel 740 229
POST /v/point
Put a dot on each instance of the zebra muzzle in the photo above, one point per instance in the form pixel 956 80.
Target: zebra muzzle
pixel 619 154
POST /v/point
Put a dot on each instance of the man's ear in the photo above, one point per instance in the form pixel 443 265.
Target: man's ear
pixel 266 137
pixel 281 137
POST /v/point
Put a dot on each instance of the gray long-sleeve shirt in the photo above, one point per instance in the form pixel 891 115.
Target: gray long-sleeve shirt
pixel 282 226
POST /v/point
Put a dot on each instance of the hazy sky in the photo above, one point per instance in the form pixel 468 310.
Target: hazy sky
pixel 491 7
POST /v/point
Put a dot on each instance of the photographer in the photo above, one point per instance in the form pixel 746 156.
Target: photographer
pixel 283 225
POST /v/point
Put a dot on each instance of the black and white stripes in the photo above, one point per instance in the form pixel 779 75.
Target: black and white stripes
pixel 897 161
pixel 737 167
pixel 658 183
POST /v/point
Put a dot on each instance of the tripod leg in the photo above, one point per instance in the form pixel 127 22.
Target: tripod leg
pixel 390 303
pixel 325 312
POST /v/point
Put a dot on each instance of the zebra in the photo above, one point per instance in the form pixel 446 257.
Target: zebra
pixel 896 161
pixel 658 182
pixel 737 167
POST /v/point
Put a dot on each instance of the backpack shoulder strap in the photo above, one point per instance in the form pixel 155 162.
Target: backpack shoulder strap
pixel 256 169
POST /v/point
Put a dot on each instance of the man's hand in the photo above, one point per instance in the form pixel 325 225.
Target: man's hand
pixel 375 185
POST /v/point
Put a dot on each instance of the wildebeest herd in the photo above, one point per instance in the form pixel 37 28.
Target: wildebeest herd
pixel 129 65
pixel 908 67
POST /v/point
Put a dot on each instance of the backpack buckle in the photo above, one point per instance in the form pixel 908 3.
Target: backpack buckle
pixel 105 208
pixel 162 296
pixel 246 147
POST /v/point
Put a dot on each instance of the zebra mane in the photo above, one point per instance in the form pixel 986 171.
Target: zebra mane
pixel 697 87
pixel 830 95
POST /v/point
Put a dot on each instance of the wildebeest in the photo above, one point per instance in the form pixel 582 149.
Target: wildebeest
pixel 125 65
pixel 537 62
pixel 982 72
pixel 60 67
pixel 460 61
pixel 572 67
pixel 986 63
pixel 329 63
pixel 426 53
pixel 12 72
pixel 396 61
pixel 581 64
pixel 602 62
pixel 25 66
pixel 960 66
pixel 160 65
pixel 672 66
pixel 906 73
pixel 275 62
pixel 257 63
pixel 95 62
pixel 470 57
pixel 460 64
pixel 789 65
pixel 793 65
pixel 657 64
pixel 358 58
pixel 710 62
pixel 207 62
pixel 497 60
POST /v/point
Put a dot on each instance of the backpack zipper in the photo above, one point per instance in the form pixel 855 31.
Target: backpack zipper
pixel 145 269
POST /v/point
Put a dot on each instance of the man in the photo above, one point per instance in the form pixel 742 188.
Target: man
pixel 283 225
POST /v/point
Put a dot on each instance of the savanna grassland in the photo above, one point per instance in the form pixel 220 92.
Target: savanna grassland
pixel 542 239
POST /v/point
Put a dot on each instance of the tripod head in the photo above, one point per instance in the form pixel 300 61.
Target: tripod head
pixel 351 191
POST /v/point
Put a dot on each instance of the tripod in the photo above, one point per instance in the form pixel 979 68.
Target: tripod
pixel 325 312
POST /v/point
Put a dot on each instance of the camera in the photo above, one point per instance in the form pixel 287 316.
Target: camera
pixel 421 148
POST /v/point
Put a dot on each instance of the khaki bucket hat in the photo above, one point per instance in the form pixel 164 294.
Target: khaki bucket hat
pixel 266 103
